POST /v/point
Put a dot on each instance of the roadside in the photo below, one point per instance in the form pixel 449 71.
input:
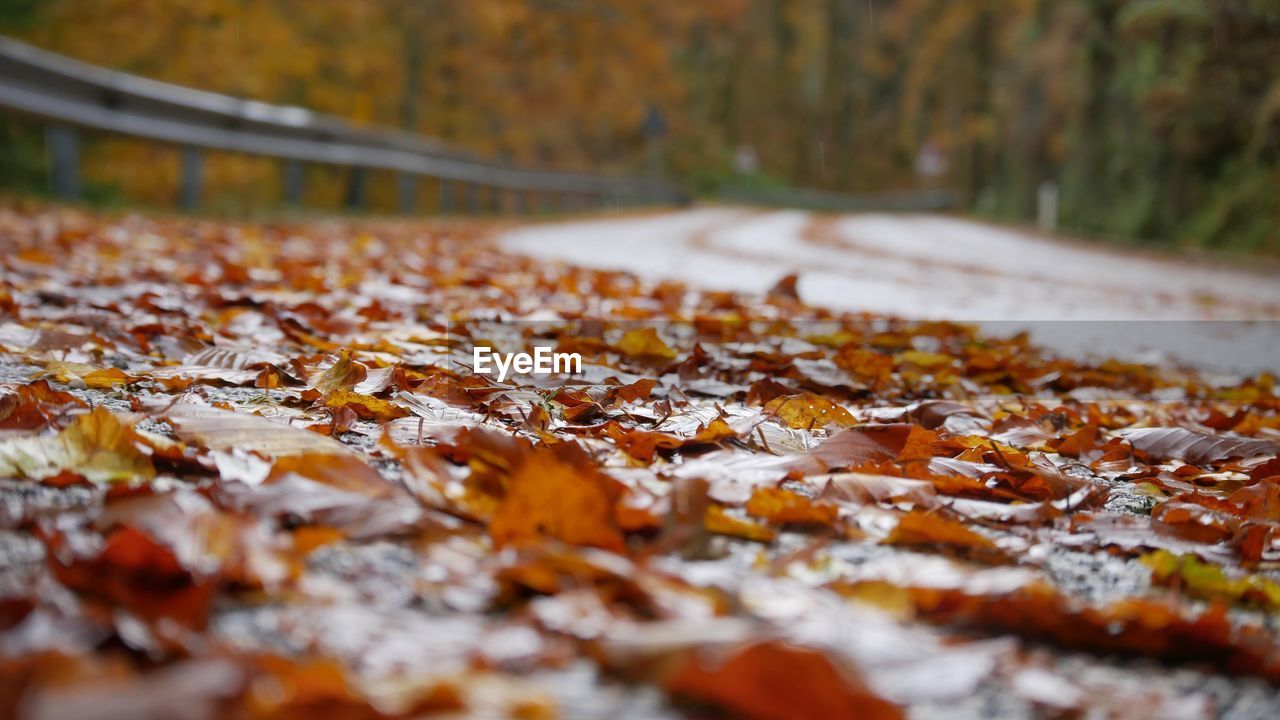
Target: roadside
pixel 1070 297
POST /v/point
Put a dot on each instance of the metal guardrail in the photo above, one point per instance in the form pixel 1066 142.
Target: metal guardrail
pixel 75 94
pixel 898 201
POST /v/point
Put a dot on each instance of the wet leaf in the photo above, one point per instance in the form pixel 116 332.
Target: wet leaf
pixel 853 446
pixel 927 529
pixel 1175 443
pixel 1209 582
pixel 135 571
pixel 97 446
pixel 807 411
pixel 35 406
pixel 345 372
pixel 781 506
pixel 365 407
pixel 217 429
pixel 645 344
pixel 556 493
pixel 776 681
pixel 107 378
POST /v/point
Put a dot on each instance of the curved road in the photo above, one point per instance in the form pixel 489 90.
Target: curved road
pixel 1075 298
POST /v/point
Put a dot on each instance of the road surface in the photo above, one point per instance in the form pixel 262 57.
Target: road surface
pixel 1076 298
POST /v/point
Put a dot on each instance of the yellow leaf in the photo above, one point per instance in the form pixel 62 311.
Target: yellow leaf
pixel 645 343
pixel 925 360
pixel 722 523
pixel 107 378
pixel 344 373
pixel 366 407
pixel 96 446
pixel 806 411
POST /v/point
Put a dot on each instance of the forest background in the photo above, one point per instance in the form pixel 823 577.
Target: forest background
pixel 1158 120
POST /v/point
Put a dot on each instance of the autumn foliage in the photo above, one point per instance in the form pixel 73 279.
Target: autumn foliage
pixel 249 465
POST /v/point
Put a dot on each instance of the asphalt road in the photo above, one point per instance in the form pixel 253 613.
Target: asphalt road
pixel 1077 298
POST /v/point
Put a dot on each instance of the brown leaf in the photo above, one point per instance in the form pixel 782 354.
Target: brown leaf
pixel 134 570
pixel 864 365
pixel 1198 448
pixel 772 680
pixel 644 444
pixel 557 493
pixel 785 288
pixel 34 406
pixel 866 443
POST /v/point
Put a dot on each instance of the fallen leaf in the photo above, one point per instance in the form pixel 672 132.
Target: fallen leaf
pixel 96 446
pixel 930 530
pixel 806 411
pixel 722 523
pixel 772 680
pixel 365 407
pixel 1176 443
pixel 107 378
pixel 645 344
pixel 345 372
pixel 557 493
pixel 782 506
pixel 217 429
pixel 35 406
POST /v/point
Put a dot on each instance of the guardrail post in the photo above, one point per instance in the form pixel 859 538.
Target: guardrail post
pixel 446 196
pixel 295 178
pixel 495 201
pixel 356 196
pixel 522 202
pixel 189 188
pixel 473 199
pixel 406 192
pixel 63 145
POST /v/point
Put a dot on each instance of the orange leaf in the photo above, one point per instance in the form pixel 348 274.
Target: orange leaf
pixel 33 406
pixel 548 494
pixel 926 529
pixel 781 506
pixel 865 365
pixel 772 680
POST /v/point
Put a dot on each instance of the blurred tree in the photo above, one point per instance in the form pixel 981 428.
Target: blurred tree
pixel 1157 118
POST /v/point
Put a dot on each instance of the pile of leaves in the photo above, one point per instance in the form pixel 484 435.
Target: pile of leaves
pixel 248 470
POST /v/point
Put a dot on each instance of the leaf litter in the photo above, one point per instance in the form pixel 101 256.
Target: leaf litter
pixel 251 467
